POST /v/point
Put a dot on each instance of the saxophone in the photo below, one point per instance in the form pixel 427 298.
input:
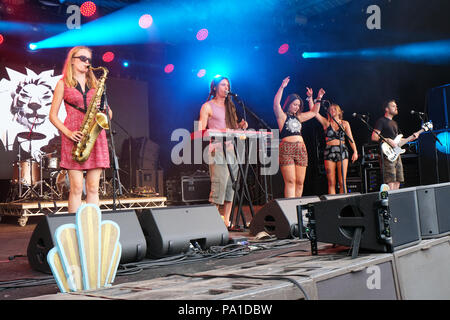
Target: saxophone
pixel 93 122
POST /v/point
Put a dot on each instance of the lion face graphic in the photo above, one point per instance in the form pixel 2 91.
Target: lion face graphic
pixel 26 99
pixel 31 103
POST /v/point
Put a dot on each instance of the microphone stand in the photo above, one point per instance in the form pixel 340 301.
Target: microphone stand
pixel 129 153
pixel 432 133
pixel 113 150
pixel 436 166
pixel 246 109
pixel 341 149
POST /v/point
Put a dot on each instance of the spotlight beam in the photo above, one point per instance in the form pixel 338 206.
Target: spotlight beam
pixel 170 21
pixel 433 52
pixel 118 28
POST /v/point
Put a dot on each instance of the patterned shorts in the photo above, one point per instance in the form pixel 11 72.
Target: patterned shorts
pixel 293 153
pixel 333 153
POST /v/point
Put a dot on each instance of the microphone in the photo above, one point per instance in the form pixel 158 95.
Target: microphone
pixel 229 93
pixel 360 115
pixel 417 112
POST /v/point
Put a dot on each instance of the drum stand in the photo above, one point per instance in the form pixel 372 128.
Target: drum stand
pixel 30 192
pixel 107 188
pixel 43 182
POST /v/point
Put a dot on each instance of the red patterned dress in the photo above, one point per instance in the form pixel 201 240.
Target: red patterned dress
pixel 99 157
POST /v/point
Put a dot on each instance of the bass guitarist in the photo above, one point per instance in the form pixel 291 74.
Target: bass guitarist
pixel 388 128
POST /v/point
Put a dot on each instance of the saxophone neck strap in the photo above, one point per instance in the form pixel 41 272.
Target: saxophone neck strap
pixel 75 107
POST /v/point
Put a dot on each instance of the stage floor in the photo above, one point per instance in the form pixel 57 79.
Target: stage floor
pixel 265 269
pixel 14 264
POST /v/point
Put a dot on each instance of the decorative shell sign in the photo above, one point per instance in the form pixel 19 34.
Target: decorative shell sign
pixel 87 254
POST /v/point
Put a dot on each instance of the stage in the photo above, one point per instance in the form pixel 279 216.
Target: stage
pixel 167 70
pixel 25 209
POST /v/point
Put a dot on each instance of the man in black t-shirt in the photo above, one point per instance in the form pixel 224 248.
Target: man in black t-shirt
pixel 388 128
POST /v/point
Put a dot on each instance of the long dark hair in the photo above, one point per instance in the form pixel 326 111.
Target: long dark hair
pixel 291 98
pixel 231 119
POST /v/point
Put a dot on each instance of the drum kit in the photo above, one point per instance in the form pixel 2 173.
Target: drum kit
pixel 39 176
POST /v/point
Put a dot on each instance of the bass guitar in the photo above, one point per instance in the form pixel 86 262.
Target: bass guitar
pixel 392 153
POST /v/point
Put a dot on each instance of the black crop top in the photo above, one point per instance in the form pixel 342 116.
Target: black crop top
pixel 292 127
pixel 330 134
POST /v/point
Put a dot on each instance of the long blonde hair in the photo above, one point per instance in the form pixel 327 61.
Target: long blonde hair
pixel 68 78
pixel 339 111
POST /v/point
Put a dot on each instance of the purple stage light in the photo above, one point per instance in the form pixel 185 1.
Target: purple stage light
pixel 145 21
pixel 202 34
pixel 201 73
pixel 283 48
pixel 169 68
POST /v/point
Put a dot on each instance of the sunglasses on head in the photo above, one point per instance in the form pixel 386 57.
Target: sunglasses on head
pixel 84 59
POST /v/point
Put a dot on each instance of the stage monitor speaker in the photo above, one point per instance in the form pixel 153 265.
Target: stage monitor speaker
pixel 434 207
pixel 279 217
pixel 405 224
pixel 337 220
pixel 42 240
pixel 338 195
pixel 173 230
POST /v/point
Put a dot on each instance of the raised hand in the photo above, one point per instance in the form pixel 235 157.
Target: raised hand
pixel 285 82
pixel 309 92
pixel 320 94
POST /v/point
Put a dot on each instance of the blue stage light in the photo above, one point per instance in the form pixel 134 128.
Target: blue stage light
pixel 444 138
pixel 170 22
pixel 434 52
pixel 32 46
pixel 125 64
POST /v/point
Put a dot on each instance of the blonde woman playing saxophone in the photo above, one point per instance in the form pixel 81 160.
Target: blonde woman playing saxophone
pixel 77 87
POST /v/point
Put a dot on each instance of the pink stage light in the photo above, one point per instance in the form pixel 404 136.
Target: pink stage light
pixel 1 39
pixel 283 48
pixel 202 34
pixel 88 8
pixel 169 68
pixel 145 21
pixel 108 56
pixel 201 73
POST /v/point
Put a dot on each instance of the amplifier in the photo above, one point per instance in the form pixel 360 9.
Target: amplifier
pixel 354 185
pixel 371 153
pixel 195 188
pixel 373 179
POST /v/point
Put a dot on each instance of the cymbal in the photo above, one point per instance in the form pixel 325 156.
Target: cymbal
pixel 31 135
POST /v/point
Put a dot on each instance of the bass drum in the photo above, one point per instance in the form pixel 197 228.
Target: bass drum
pixel 63 184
